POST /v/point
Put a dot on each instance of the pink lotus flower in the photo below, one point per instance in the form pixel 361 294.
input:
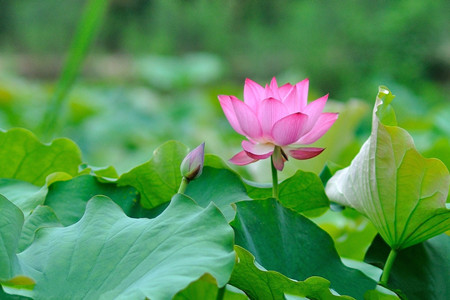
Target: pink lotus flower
pixel 277 121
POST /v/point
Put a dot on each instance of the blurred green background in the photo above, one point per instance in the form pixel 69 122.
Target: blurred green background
pixel 155 68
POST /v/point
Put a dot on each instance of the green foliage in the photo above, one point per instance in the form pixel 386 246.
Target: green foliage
pixel 5 296
pixel 206 288
pixel 402 193
pixel 70 230
pixel 352 233
pixel 412 269
pixel 379 295
pixel 106 254
pixel 261 284
pixel 303 192
pixel 287 242
pixel 68 199
pixel 345 53
pixel 23 157
pixel 11 224
pixel 158 179
pixel 211 185
pixel 88 26
pixel 41 217
pixel 24 195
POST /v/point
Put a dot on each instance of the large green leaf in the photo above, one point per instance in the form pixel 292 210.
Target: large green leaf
pixel 159 178
pixel 262 284
pixel 401 192
pixel 23 157
pixel 11 274
pixel 206 288
pixel 380 294
pixel 421 271
pixel 41 217
pixel 303 192
pixel 68 198
pixel 107 255
pixel 24 195
pixel 5 296
pixel 221 186
pixel 11 221
pixel 287 242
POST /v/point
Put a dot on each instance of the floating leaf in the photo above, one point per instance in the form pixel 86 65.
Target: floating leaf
pixel 303 192
pixel 379 295
pixel 68 198
pixel 158 179
pixel 421 271
pixel 107 255
pixel 106 173
pixel 24 195
pixel 262 284
pixel 401 192
pixel 287 242
pixel 5 296
pixel 41 217
pixel 221 186
pixel 23 157
pixel 11 221
pixel 206 288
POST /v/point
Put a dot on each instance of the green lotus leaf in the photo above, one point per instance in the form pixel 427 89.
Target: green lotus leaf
pixel 107 255
pixel 68 198
pixel 24 195
pixel 401 192
pixel 11 220
pixel 24 157
pixel 159 178
pixel 285 241
pixel 107 174
pixel 41 217
pixel 11 274
pixel 206 288
pixel 302 192
pixel 5 296
pixel 222 186
pixel 380 295
pixel 421 271
pixel 258 283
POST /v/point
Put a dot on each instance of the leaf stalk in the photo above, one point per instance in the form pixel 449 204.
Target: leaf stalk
pixel 388 267
pixel 221 293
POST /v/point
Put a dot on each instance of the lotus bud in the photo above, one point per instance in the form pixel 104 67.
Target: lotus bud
pixel 192 165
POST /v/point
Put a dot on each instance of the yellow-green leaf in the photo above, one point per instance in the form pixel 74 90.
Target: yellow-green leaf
pixel 401 192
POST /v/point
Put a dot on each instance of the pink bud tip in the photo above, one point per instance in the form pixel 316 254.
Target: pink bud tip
pixel 192 165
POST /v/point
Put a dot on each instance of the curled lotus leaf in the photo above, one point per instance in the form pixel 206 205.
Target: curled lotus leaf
pixel 391 183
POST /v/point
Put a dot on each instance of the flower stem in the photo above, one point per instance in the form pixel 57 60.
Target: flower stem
pixel 221 293
pixel 274 179
pixel 183 185
pixel 387 267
